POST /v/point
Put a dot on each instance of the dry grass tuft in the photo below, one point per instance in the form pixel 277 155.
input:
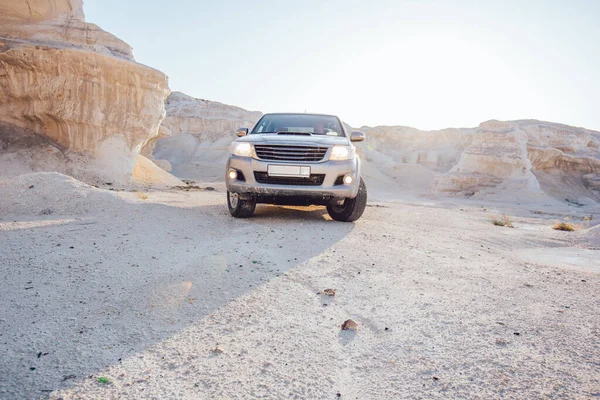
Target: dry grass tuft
pixel 504 221
pixel 564 226
pixel 142 195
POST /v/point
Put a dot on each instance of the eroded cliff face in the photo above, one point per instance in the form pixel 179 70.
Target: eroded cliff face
pixel 186 114
pixel 516 160
pixel 497 155
pixel 202 131
pixel 76 85
pixel 565 160
pixel 57 23
pixel 41 10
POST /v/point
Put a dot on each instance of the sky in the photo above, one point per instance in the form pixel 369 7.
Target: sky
pixel 429 64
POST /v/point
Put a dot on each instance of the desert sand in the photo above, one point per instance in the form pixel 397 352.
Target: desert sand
pixel 162 294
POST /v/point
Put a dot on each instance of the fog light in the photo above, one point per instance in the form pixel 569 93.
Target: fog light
pixel 232 174
pixel 348 179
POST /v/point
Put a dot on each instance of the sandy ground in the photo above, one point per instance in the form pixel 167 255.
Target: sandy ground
pixel 164 295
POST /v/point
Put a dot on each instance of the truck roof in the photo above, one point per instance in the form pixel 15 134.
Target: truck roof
pixel 297 113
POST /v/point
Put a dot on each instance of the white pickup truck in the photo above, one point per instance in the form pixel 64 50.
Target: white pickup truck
pixel 296 159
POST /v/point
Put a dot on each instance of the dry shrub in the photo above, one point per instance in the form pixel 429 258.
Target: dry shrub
pixel 504 221
pixel 142 195
pixel 564 226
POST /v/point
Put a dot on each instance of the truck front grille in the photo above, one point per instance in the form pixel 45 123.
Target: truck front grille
pixel 289 153
pixel 314 180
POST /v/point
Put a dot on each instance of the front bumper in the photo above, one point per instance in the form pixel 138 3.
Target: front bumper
pixel 331 169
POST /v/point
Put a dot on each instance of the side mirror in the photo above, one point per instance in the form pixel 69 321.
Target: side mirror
pixel 242 132
pixel 357 136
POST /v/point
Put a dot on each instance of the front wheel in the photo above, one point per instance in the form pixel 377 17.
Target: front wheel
pixel 351 209
pixel 240 208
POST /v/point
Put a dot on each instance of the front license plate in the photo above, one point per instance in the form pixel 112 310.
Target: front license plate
pixel 288 170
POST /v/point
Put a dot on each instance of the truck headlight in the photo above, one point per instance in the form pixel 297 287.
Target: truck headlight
pixel 241 149
pixel 341 153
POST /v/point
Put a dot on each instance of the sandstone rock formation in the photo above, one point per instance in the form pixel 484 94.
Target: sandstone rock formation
pixel 408 159
pixel 518 160
pixel 186 114
pixel 496 155
pixel 57 23
pixel 77 86
pixel 202 131
pixel 149 147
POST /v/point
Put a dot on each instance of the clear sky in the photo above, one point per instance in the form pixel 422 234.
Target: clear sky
pixel 429 64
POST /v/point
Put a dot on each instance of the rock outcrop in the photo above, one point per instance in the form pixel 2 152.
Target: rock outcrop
pixel 517 160
pixel 77 86
pixel 186 114
pixel 202 131
pixel 565 160
pixel 496 155
pixel 149 147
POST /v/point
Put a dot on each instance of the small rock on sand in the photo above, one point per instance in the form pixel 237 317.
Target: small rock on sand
pixel 349 325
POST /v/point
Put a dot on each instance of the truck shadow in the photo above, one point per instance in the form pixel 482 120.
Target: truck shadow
pixel 104 287
pixel 313 213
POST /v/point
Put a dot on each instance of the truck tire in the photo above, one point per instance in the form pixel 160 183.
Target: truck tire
pixel 351 209
pixel 240 208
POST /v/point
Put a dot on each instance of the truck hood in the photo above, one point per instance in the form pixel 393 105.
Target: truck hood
pixel 315 140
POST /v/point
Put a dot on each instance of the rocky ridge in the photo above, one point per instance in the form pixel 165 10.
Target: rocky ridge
pixel 524 160
pixel 200 133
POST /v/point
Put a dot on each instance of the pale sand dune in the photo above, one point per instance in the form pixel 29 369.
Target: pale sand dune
pixel 592 237
pixel 147 173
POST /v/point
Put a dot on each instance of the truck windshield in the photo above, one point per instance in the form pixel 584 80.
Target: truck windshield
pixel 299 124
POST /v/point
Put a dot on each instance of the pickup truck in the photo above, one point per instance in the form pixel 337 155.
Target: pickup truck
pixel 296 159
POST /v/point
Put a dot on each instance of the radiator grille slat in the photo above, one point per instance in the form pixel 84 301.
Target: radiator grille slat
pixel 290 153
pixel 314 180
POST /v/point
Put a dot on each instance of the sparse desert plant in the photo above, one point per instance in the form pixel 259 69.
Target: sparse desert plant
pixel 564 226
pixel 142 195
pixel 503 221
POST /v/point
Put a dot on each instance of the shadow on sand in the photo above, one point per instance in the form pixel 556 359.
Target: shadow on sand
pixel 109 285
